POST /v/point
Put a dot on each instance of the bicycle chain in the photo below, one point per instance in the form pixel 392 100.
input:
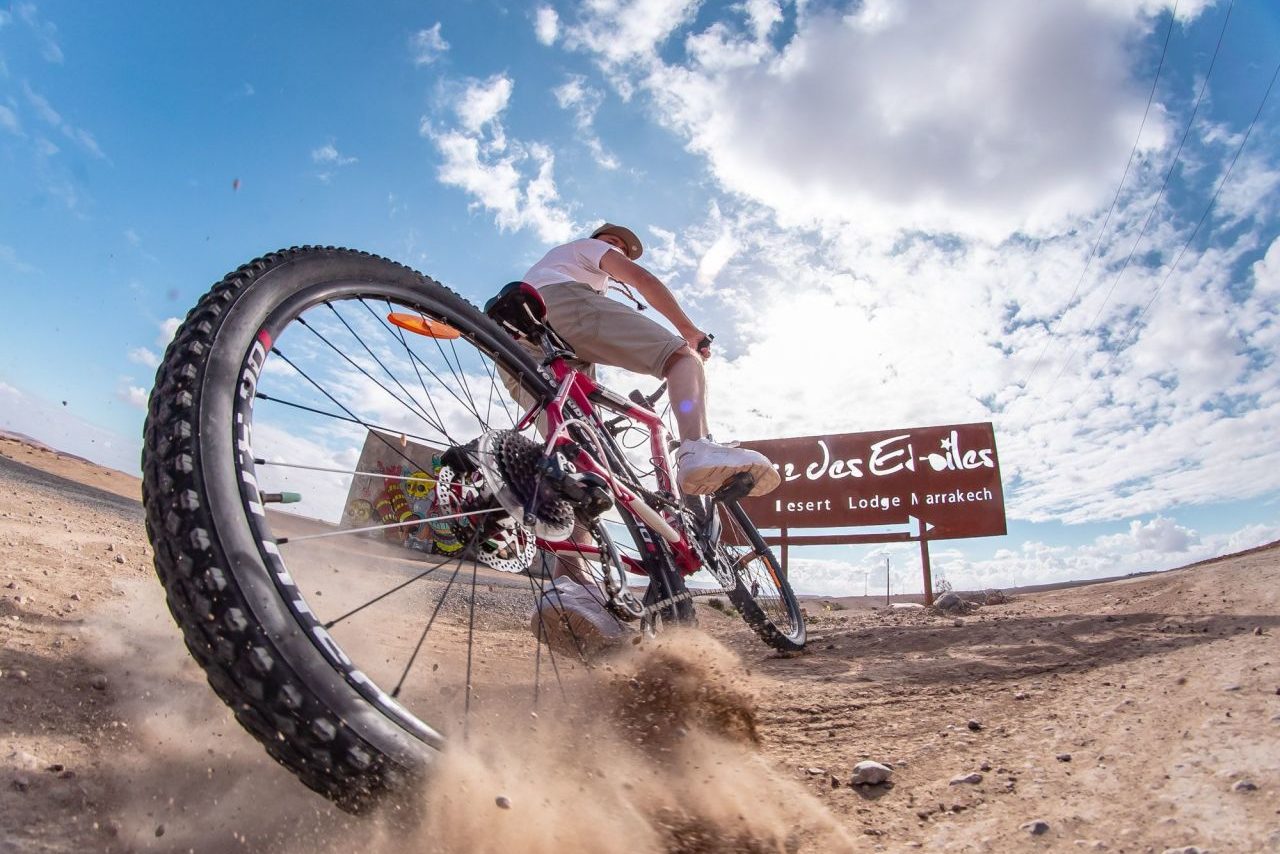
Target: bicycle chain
pixel 686 596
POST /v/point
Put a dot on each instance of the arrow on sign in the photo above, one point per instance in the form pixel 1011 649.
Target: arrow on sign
pixel 911 528
pixel 903 531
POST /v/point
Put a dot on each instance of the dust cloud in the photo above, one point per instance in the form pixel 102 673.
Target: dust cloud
pixel 653 751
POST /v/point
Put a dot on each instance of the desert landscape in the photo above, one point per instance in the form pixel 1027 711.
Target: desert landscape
pixel 1137 715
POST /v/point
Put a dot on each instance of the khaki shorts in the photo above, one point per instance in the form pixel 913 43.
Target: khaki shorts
pixel 606 332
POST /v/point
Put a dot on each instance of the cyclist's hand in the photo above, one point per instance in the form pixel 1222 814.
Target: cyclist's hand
pixel 700 343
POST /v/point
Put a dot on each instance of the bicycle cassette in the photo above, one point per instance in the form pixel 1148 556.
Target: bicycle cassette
pixel 511 465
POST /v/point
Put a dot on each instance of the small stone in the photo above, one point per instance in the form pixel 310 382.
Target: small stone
pixel 815 772
pixel 1230 687
pixel 1245 786
pixel 1186 849
pixel 1064 757
pixel 972 778
pixel 120 559
pixel 159 830
pixel 20 782
pixel 111 547
pixel 19 675
pixel 1257 630
pixel 975 726
pixel 98 682
pixel 1037 827
pixel 503 802
pixel 75 597
pixel 12 585
pixel 55 767
pixel 985 766
pixel 1021 695
pixel 957 623
pixel 868 773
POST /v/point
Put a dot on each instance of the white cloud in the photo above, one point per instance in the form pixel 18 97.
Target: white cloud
pixel 9 121
pixel 168 328
pixel 9 257
pixel 50 116
pixel 583 101
pixel 713 261
pixel 46 32
pixel 428 45
pixel 329 155
pixel 546 25
pixel 483 101
pixel 622 30
pixel 859 333
pixel 145 357
pixel 135 396
pixel 42 106
pixel 922 114
pixel 1266 273
pixel 513 179
pixel 330 159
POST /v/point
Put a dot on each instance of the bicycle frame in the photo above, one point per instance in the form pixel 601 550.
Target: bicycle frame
pixel 578 391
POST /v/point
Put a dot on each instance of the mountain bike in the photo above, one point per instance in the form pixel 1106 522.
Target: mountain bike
pixel 354 636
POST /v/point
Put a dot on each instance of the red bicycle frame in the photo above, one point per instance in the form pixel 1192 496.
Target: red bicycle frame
pixel 580 390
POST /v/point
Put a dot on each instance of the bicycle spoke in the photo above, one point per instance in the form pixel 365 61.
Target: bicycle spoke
pixel 438 423
pixel 398 334
pixel 375 600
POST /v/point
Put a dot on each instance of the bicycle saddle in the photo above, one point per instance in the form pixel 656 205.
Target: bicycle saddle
pixel 519 309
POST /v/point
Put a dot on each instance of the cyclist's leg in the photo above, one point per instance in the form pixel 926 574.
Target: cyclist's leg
pixel 687 391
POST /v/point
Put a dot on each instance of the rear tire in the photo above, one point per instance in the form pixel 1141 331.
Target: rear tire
pixel 750 573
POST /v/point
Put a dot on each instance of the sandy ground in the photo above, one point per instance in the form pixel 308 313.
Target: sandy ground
pixel 1134 716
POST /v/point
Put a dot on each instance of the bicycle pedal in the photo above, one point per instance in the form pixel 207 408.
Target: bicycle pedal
pixel 737 487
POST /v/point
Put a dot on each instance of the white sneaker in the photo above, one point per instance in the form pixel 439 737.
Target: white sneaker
pixel 572 620
pixel 703 466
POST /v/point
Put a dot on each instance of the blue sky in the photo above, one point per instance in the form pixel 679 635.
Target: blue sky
pixel 901 196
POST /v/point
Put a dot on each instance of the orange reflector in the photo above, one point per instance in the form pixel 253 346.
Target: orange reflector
pixel 421 325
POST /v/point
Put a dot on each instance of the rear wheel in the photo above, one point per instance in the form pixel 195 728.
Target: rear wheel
pixel 331 564
pixel 745 565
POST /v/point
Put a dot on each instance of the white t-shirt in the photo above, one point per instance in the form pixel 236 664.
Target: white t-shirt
pixel 578 261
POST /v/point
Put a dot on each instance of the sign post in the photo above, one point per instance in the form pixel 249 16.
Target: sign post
pixel 921 483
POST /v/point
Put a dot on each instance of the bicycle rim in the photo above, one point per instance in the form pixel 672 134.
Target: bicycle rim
pixel 756 585
pixel 390 570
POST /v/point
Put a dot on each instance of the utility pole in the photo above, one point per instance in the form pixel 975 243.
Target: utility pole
pixel 886 580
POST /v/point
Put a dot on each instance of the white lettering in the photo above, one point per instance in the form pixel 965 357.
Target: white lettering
pixel 883 456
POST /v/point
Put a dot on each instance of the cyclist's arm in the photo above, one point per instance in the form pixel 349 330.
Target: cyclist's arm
pixel 655 293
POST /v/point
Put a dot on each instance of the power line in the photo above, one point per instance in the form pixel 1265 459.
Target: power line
pixel 1204 216
pixel 1163 186
pixel 1107 219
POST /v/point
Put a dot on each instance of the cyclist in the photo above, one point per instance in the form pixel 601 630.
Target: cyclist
pixel 574 279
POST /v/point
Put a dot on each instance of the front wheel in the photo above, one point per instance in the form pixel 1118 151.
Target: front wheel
pixel 750 573
pixel 329 568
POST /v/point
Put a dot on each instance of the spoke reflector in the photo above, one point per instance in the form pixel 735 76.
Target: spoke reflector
pixel 423 326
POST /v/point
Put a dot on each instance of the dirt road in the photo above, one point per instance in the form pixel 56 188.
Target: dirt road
pixel 1132 716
